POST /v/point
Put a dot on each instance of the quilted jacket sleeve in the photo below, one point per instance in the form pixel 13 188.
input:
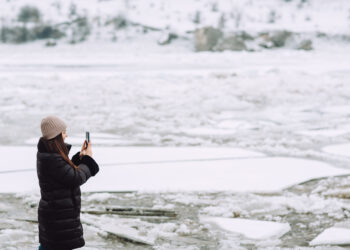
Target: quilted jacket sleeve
pixel 91 163
pixel 68 176
pixel 76 158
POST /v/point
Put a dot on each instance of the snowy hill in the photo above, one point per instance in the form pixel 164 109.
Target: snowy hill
pixel 164 21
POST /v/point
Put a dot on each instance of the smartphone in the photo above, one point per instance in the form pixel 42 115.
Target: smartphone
pixel 87 137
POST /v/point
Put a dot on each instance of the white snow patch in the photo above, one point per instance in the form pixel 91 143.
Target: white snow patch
pixel 124 228
pixel 99 197
pixel 10 161
pixel 164 206
pixel 117 155
pixel 163 230
pixel 332 236
pixel 183 230
pixel 10 235
pixel 240 175
pixel 248 205
pixel 17 157
pixel 340 149
pixel 209 131
pixel 323 132
pixel 253 229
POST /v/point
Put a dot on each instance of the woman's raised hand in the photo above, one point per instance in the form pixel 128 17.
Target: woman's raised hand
pixel 86 149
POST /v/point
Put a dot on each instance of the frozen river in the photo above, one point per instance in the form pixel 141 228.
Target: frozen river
pixel 284 103
pixel 277 102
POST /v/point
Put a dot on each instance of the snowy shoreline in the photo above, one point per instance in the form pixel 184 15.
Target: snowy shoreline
pixel 174 169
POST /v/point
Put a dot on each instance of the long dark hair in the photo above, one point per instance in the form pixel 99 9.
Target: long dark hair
pixel 56 145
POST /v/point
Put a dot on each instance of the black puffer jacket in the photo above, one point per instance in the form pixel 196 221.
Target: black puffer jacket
pixel 60 203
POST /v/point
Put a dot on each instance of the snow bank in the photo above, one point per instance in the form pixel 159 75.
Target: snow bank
pixel 19 173
pixel 10 159
pixel 240 175
pixel 332 236
pixel 172 169
pixel 116 155
pixel 253 229
pixel 17 157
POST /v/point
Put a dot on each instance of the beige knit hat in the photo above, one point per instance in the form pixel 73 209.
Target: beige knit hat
pixel 51 126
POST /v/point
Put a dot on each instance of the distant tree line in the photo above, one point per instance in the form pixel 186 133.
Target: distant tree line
pixel 29 26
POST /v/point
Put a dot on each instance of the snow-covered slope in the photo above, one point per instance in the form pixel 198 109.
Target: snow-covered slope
pixel 131 19
pixel 182 15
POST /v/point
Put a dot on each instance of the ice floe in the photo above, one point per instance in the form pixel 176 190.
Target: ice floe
pixel 333 236
pixel 172 169
pixel 119 229
pixel 237 175
pixel 253 229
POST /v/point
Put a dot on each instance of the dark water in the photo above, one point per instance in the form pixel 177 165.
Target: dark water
pixel 309 208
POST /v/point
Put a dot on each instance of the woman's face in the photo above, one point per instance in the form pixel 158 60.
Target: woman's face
pixel 64 135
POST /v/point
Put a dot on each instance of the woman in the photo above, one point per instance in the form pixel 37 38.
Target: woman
pixel 60 179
